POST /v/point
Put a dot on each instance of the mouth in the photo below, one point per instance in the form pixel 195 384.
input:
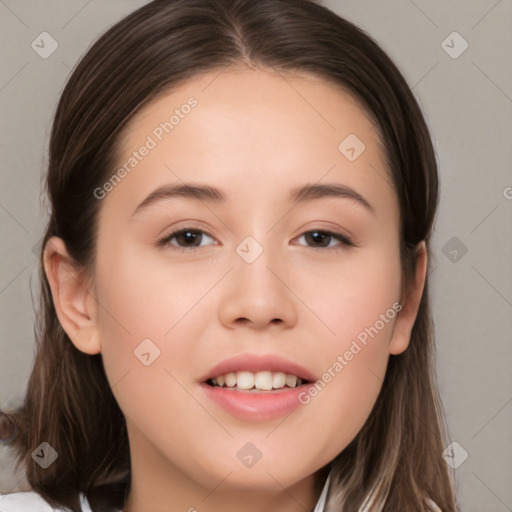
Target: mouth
pixel 256 388
pixel 262 381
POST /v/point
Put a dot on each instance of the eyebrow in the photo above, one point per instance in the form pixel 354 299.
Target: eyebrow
pixel 211 194
pixel 319 191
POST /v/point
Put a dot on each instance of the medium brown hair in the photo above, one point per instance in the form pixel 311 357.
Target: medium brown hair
pixel 69 403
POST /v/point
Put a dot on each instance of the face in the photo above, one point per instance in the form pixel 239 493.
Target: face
pixel 258 282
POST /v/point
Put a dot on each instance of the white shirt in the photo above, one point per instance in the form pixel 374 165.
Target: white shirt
pixel 32 502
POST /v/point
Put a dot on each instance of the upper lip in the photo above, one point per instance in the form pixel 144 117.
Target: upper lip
pixel 257 363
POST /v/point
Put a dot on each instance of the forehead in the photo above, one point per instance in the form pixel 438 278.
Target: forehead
pixel 303 98
pixel 255 128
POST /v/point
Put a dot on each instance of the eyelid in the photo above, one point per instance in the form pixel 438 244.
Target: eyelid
pixel 344 240
pixel 165 240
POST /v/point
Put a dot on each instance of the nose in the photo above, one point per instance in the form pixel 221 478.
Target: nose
pixel 258 294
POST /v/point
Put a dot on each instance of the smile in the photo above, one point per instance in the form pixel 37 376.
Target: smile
pixel 259 381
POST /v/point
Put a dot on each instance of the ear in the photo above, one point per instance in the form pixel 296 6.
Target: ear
pixel 74 303
pixel 410 304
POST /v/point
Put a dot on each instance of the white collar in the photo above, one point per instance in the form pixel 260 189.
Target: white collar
pixel 320 506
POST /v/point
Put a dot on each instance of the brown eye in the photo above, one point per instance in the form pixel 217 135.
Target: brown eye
pixel 189 238
pixel 324 239
pixel 185 238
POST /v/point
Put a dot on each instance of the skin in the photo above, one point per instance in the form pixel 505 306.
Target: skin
pixel 255 134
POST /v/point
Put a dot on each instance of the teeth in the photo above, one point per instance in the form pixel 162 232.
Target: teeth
pixel 278 380
pixel 263 381
pixel 244 380
pixel 291 381
pixel 229 380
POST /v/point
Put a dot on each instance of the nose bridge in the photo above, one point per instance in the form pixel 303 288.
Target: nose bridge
pixel 255 259
pixel 257 293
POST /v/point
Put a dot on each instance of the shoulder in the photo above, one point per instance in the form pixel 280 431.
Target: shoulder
pixel 30 502
pixel 433 505
pixel 23 501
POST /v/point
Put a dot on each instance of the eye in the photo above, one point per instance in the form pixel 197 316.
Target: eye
pixel 189 239
pixel 185 239
pixel 324 239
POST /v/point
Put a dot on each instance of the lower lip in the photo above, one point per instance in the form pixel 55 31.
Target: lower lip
pixel 255 406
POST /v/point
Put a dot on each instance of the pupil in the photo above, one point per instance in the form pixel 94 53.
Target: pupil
pixel 318 237
pixel 190 236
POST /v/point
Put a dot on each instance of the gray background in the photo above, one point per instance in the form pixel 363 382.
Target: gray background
pixel 468 105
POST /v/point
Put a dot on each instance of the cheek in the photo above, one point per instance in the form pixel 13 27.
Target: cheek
pixel 353 295
pixel 138 305
pixel 340 401
pixel 141 321
pixel 141 300
pixel 359 305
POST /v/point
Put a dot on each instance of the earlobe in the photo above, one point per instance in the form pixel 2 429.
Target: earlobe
pixel 410 305
pixel 74 303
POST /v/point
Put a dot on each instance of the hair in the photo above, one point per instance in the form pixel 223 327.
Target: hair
pixel 394 462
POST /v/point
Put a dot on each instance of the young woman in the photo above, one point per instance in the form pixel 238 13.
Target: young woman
pixel 235 309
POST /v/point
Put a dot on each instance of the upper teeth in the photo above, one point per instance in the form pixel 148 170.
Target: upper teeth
pixel 264 381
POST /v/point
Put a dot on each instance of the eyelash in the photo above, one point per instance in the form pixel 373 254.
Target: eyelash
pixel 345 242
